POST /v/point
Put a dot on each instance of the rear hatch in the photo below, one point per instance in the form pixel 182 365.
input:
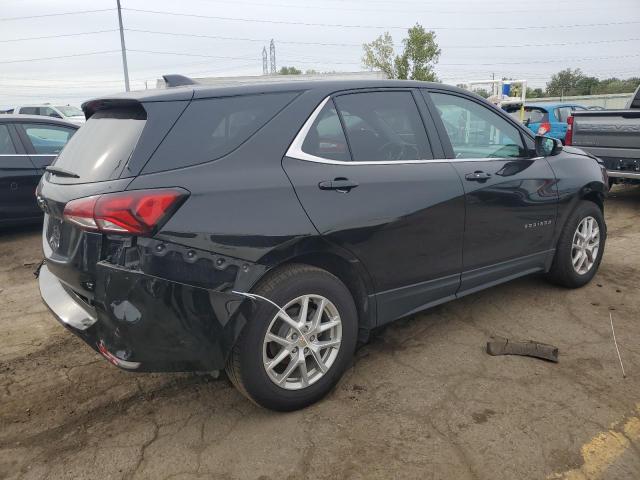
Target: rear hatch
pixel 103 157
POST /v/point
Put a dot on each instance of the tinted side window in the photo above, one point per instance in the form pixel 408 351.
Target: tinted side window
pixel 325 137
pixel 383 126
pixel 30 110
pixel 47 139
pixel 211 128
pixel 475 131
pixel 6 145
pixel 49 112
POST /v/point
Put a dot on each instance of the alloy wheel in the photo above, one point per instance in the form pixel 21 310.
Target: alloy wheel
pixel 585 245
pixel 302 342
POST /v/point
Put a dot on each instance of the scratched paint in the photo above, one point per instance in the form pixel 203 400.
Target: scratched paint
pixel 604 449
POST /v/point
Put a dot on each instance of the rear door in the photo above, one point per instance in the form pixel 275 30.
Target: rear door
pixel 511 197
pixel 17 179
pixel 364 170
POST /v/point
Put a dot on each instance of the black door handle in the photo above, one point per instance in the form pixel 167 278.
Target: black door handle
pixel 477 176
pixel 340 184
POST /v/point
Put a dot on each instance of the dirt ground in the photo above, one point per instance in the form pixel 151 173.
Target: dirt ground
pixel 423 399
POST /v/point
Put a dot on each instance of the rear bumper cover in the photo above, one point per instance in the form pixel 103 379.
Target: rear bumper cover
pixel 144 323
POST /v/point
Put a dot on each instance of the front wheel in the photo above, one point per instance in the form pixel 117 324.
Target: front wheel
pixel 289 358
pixel 580 247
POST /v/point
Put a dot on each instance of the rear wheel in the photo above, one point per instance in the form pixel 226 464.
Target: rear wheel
pixel 580 247
pixel 289 358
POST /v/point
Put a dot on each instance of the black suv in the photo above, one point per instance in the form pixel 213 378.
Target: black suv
pixel 266 229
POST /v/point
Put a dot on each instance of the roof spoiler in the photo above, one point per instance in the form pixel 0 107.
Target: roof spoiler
pixel 174 80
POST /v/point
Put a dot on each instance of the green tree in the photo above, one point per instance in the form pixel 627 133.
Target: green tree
pixel 416 62
pixel 565 82
pixel 535 92
pixel 289 71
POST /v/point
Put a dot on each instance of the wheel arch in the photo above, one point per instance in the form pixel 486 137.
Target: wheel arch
pixel 350 272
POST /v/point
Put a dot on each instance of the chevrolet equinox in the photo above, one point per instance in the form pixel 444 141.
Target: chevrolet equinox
pixel 266 229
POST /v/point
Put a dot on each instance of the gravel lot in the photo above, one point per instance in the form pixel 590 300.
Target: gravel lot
pixel 423 399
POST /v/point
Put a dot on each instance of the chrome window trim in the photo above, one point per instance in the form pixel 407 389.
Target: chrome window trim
pixel 295 149
pixel 29 154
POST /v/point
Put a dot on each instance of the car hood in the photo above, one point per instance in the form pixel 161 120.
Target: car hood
pixel 576 151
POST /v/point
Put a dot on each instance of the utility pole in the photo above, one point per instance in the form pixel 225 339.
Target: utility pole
pixel 272 55
pixel 124 49
pixel 265 66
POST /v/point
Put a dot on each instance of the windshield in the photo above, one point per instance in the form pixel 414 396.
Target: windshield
pixel 69 111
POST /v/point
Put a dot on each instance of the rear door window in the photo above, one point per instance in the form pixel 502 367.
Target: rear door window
pixel 383 126
pixel 212 128
pixel 47 139
pixel 101 148
pixel 6 145
pixel 326 138
pixel 562 113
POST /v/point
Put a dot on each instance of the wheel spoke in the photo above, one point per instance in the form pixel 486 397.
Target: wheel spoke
pixel 317 317
pixel 326 344
pixel 304 375
pixel 318 358
pixel 583 257
pixel 282 315
pixel 577 258
pixel 271 337
pixel 288 371
pixel 323 327
pixel 304 310
pixel 284 353
pixel 589 254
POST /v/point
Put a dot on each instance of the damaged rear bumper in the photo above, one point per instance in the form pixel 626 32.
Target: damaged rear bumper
pixel 141 322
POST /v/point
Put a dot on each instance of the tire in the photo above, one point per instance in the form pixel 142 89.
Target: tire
pixel 247 363
pixel 562 270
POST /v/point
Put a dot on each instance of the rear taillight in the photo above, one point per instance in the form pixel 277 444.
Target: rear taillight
pixel 139 212
pixel 544 128
pixel 568 139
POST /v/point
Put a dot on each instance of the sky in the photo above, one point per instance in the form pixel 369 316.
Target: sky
pixel 67 51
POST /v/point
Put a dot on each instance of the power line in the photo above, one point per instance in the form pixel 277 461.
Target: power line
pixel 79 12
pixel 57 36
pixel 60 56
pixel 184 54
pixel 390 27
pixel 359 45
pixel 368 9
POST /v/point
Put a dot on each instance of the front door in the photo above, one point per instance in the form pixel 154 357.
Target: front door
pixel 377 192
pixel 511 197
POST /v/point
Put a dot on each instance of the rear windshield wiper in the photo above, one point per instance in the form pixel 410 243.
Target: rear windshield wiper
pixel 61 172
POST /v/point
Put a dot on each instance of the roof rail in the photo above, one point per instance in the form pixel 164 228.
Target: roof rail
pixel 174 80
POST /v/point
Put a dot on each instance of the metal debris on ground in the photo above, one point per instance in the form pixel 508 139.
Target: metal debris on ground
pixel 503 346
pixel 615 342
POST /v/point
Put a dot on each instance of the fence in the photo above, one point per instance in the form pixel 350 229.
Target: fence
pixel 609 101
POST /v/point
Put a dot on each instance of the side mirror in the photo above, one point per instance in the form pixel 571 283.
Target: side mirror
pixel 547 146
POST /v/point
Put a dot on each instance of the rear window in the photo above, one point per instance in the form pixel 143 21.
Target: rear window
pixel 212 128
pixel 101 148
pixel 531 115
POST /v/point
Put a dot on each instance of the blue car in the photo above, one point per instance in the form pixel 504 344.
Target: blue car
pixel 548 119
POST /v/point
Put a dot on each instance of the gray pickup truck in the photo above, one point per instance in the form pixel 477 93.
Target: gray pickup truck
pixel 611 135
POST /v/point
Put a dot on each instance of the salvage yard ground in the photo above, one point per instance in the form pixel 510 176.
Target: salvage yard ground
pixel 423 399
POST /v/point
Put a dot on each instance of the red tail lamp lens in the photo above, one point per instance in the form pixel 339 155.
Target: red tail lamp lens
pixel 544 128
pixel 139 212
